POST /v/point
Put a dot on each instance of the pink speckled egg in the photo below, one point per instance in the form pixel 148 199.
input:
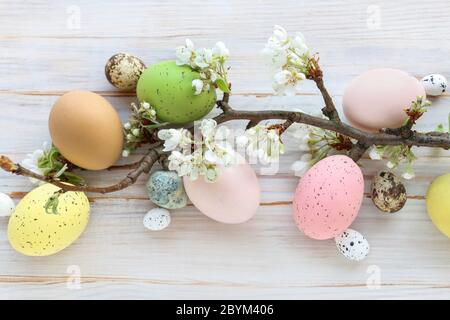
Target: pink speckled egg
pixel 377 98
pixel 328 197
pixel 233 198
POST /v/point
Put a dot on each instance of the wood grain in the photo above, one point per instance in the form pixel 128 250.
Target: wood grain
pixel 40 59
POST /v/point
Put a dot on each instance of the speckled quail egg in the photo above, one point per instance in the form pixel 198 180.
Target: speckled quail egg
pixel 388 192
pixel 434 84
pixel 157 219
pixel 123 71
pixel 165 189
pixel 352 245
pixel 6 205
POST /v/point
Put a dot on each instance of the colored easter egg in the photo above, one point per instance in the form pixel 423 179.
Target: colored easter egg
pixel 378 98
pixel 328 197
pixel 233 198
pixel 438 203
pixel 86 129
pixel 168 89
pixel 35 231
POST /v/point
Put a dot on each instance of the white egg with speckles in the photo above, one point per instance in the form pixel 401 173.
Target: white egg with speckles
pixel 352 245
pixel 157 219
pixel 7 206
pixel 434 84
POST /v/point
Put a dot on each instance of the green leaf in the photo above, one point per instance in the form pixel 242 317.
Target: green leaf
pixel 73 179
pixel 440 128
pixel 51 207
pixel 221 83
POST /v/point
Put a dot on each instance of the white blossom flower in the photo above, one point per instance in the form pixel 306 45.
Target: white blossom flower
pixel 32 160
pixel 185 53
pixel 301 166
pixel 374 154
pixel 209 62
pixel 197 84
pixel 125 153
pixel 180 163
pixel 174 138
pixel 203 57
pixel 299 45
pixel 304 143
pixel 263 143
pixel 136 132
pixel 220 50
pixel 390 165
pixel 289 58
pixel 210 152
pixel 408 175
pixel 208 127
pixel 279 33
pixel 285 81
pixel 127 126
pixel 210 156
pixel 130 137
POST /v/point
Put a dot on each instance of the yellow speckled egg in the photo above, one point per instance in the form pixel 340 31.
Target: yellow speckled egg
pixel 34 231
pixel 438 203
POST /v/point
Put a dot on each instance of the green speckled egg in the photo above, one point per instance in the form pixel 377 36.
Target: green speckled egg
pixel 168 88
pixel 33 231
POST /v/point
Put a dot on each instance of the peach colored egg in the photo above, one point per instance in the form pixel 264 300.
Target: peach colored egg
pixel 86 129
pixel 233 198
pixel 328 197
pixel 377 98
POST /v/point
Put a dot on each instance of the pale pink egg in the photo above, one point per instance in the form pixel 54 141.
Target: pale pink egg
pixel 377 98
pixel 233 198
pixel 328 197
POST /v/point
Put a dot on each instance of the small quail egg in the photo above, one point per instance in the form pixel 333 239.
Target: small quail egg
pixel 157 219
pixel 434 84
pixel 6 205
pixel 165 189
pixel 388 192
pixel 352 245
pixel 123 71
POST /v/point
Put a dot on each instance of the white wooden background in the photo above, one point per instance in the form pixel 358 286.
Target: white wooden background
pixel 41 58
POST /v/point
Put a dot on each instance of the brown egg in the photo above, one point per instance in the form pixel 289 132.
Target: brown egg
pixel 86 129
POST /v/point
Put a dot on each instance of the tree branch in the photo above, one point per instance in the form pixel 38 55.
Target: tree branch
pixel 145 165
pixel 364 140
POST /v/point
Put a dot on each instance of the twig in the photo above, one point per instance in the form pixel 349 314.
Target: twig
pixel 316 75
pixel 145 166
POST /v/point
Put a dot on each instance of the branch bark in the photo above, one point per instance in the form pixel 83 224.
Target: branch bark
pixel 145 165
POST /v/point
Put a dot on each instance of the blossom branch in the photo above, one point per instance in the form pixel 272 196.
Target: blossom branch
pixel 429 139
pixel 145 165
